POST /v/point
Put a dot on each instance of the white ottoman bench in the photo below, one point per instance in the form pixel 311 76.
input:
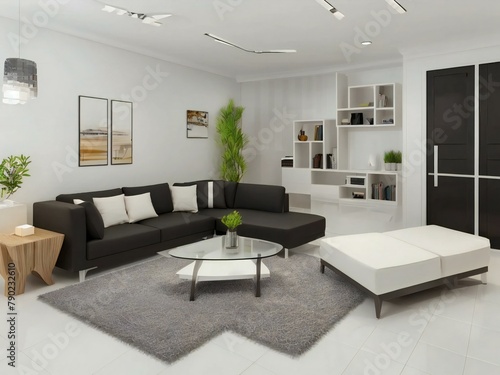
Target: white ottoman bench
pixel 393 264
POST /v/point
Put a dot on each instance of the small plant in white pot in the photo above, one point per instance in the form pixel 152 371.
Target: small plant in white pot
pixel 398 157
pixel 232 221
pixel 12 171
pixel 390 160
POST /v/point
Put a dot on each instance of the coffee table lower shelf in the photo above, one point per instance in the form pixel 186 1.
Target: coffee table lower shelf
pixel 200 270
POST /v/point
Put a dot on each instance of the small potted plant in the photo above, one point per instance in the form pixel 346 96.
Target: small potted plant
pixel 232 221
pixel 390 160
pixel 398 158
pixel 12 171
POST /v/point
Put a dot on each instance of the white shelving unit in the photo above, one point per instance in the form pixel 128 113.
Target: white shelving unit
pixel 359 148
pixel 332 186
pixel 319 142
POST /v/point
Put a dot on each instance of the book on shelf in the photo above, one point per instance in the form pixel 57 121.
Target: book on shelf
pixel 381 192
pixel 358 195
pixel 317 161
pixel 318 133
pixel 287 161
pixel 330 162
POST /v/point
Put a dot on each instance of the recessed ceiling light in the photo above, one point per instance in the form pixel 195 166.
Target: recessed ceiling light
pixel 366 42
pixel 397 6
pixel 329 7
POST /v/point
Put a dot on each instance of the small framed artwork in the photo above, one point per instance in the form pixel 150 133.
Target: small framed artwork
pixel 121 132
pixel 93 131
pixel 197 124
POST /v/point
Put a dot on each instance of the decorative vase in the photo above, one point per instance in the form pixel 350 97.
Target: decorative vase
pixel 4 195
pixel 302 135
pixel 231 239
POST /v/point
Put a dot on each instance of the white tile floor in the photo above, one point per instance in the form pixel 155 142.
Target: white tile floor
pixel 438 332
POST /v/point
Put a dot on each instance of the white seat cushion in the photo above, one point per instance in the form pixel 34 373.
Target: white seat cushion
pixel 380 263
pixel 459 252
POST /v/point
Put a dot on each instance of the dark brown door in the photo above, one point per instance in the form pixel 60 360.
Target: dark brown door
pixel 489 211
pixel 451 204
pixel 489 119
pixel 489 152
pixel 450 119
pixel 450 137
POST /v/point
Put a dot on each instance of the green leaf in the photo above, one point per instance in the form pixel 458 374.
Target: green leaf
pixel 232 141
pixel 12 171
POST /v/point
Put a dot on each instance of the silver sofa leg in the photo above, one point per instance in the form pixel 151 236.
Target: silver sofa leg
pixel 83 273
pixel 286 253
pixel 484 278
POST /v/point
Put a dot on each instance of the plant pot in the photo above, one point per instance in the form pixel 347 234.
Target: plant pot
pixel 399 166
pixel 387 166
pixel 392 166
pixel 231 240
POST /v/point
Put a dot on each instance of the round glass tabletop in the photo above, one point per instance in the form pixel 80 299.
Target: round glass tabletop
pixel 215 249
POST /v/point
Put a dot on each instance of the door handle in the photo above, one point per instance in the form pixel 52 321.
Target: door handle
pixel 436 153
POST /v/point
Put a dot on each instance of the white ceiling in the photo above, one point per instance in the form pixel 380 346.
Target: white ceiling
pixel 429 25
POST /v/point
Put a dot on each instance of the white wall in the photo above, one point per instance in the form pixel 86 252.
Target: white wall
pixel 414 112
pixel 47 128
pixel 272 105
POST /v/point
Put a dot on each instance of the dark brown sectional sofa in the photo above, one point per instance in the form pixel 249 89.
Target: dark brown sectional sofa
pixel 264 209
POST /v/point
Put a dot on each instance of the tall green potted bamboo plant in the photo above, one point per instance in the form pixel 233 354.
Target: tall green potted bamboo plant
pixel 232 141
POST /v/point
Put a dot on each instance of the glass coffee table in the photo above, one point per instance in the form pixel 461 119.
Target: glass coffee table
pixel 213 261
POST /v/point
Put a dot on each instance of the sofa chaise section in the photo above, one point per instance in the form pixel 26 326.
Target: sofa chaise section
pixel 265 215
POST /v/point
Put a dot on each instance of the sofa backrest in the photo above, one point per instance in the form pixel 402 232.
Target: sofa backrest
pixel 269 198
pixel 208 192
pixel 230 192
pixel 160 196
pixel 87 196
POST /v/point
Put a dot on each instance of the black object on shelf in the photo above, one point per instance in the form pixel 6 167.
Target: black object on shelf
pixel 357 118
pixel 318 161
pixel 287 161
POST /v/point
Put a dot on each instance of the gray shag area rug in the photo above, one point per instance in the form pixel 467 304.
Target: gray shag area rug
pixel 147 306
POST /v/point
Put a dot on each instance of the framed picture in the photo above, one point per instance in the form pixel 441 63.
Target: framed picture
pixel 93 131
pixel 121 132
pixel 197 124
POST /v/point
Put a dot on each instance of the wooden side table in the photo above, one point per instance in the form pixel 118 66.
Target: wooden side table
pixel 35 254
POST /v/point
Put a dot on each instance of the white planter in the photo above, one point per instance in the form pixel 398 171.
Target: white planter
pixel 399 166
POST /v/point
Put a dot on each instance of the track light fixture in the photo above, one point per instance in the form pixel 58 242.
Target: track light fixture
pixel 149 19
pixel 227 43
pixel 329 7
pixel 397 6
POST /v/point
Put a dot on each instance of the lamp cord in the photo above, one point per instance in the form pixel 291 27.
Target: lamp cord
pixel 19 35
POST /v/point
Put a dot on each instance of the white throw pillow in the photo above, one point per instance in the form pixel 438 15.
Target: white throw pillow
pixel 184 198
pixel 139 207
pixel 112 210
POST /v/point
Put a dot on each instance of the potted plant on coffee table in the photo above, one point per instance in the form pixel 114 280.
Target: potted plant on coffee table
pixel 232 221
pixel 12 171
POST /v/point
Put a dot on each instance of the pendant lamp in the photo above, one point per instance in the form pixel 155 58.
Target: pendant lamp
pixel 19 77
